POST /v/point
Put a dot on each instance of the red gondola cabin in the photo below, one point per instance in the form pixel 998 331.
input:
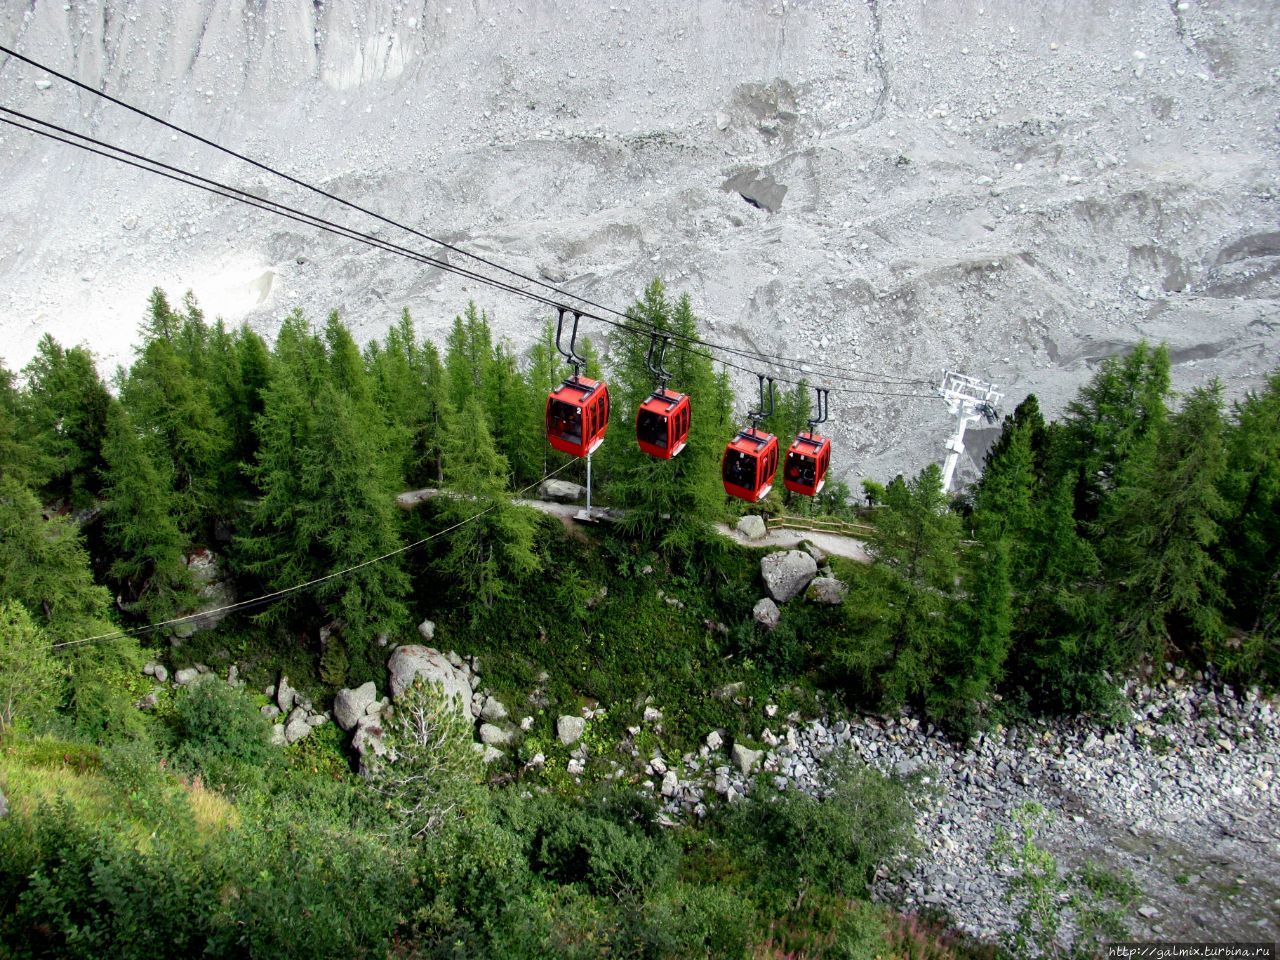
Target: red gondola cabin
pixel 750 461
pixel 807 462
pixel 662 424
pixel 577 415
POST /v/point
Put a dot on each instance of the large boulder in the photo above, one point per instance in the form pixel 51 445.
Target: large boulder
pixel 570 728
pixel 285 694
pixel 561 491
pixel 766 613
pixel 746 758
pixel 752 527
pixel 296 729
pixel 786 573
pixel 415 660
pixel 350 705
pixel 494 736
pixel 367 740
pixel 827 590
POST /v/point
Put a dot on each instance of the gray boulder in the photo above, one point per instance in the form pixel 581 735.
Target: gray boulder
pixel 285 694
pixel 414 660
pixel 561 491
pixel 494 736
pixel 827 590
pixel 714 740
pixel 296 729
pixel 428 630
pixel 746 759
pixel 819 555
pixel 277 735
pixel 786 573
pixel 161 672
pixel 350 705
pixel 368 736
pixel 570 729
pixel 766 613
pixel 493 710
pixel 752 527
pixel 185 675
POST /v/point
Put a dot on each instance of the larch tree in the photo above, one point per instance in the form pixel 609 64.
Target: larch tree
pixel 1161 531
pixel 491 543
pixel 65 406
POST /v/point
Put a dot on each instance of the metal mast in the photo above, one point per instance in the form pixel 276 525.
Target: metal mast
pixel 969 400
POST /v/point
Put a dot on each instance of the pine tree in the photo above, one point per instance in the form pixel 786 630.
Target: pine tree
pixel 44 566
pixel 141 526
pixel 975 652
pixel 516 415
pixel 328 482
pixel 493 550
pixel 172 409
pixel 1162 526
pixel 1109 422
pixel 1251 491
pixel 19 459
pixel 916 551
pixel 65 408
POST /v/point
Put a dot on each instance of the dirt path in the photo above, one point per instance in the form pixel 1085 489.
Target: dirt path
pixel 834 544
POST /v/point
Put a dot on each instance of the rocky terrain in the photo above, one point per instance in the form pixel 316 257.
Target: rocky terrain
pixel 1181 792
pixel 898 186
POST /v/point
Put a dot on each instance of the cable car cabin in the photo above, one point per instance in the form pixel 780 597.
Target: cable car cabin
pixel 750 461
pixel 577 415
pixel 662 424
pixel 807 462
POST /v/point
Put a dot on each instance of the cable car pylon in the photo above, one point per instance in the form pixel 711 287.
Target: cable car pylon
pixel 969 400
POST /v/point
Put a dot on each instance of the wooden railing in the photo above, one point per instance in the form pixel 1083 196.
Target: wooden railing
pixel 860 531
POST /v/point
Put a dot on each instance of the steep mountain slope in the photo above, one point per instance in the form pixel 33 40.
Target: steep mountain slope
pixel 1013 190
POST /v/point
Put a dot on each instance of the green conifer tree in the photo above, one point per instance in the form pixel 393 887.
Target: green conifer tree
pixel 65 410
pixel 140 512
pixel 1162 527
pixel 1109 421
pixel 1251 491
pixel 917 559
pixel 493 550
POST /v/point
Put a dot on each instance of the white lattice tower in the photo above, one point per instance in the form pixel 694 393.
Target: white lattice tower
pixel 969 400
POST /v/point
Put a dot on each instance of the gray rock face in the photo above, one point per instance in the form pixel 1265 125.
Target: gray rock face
pixel 561 491
pixel 570 729
pixel 786 573
pixel 746 759
pixel 494 736
pixel 350 705
pixel 752 527
pixel 414 660
pixel 766 613
pixel 827 590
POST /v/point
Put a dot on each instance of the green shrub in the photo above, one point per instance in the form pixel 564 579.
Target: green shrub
pixel 221 732
pixel 832 845
pixel 686 920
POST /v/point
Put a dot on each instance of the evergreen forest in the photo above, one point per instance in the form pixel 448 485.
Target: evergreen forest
pixel 1139 531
